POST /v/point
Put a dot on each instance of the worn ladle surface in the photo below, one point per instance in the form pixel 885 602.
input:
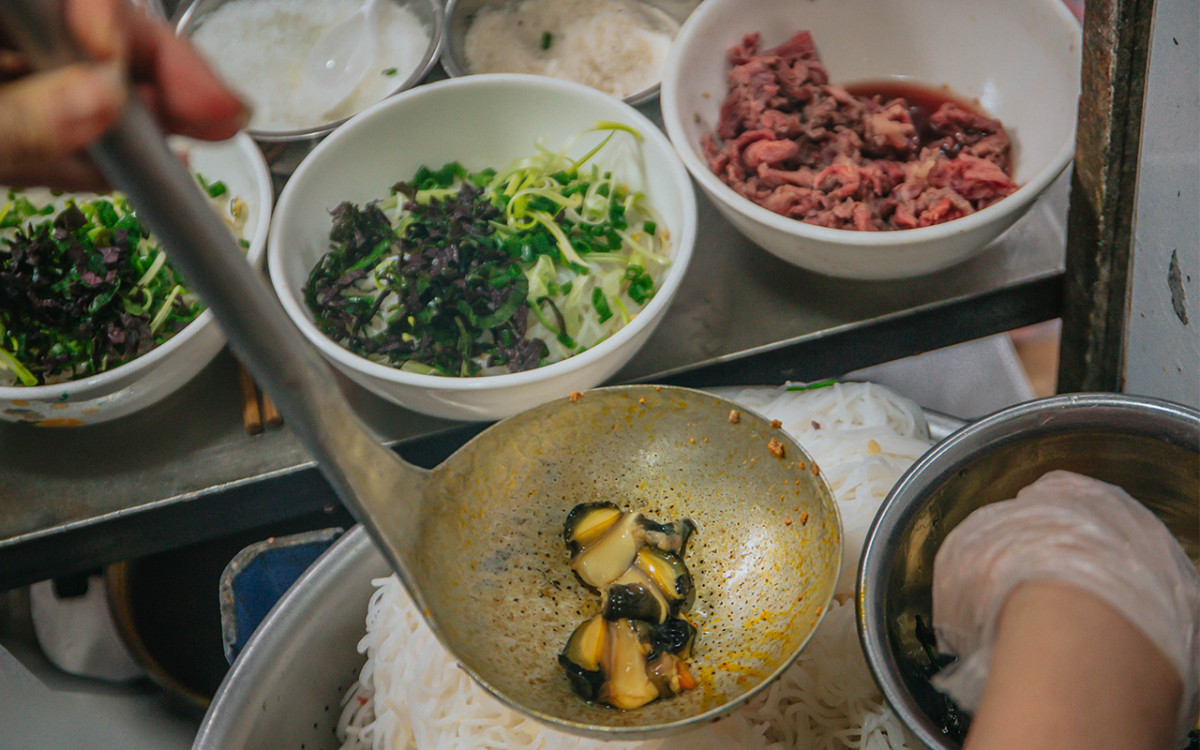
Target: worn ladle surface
pixel 477 541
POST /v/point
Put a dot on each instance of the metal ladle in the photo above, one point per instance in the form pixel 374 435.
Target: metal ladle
pixel 477 540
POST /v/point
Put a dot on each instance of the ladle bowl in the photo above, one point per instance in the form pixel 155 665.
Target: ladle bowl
pixel 493 566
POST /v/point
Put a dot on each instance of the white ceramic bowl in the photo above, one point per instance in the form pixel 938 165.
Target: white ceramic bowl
pixel 164 369
pixel 480 121
pixel 1019 58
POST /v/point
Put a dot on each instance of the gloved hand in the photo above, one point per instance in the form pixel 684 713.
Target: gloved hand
pixel 1073 530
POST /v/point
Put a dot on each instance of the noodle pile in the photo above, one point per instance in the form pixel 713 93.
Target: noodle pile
pixel 412 696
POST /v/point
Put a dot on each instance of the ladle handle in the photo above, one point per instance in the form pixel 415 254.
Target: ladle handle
pixel 134 156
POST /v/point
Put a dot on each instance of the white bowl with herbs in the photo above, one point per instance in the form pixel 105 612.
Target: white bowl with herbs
pixel 478 246
pixel 95 324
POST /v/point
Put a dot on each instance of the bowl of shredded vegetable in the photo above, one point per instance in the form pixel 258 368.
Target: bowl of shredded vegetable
pixel 95 323
pixel 475 247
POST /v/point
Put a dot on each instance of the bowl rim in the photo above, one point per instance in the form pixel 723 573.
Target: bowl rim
pixel 900 505
pixel 69 389
pixel 456 70
pixel 673 121
pixel 184 27
pixel 684 238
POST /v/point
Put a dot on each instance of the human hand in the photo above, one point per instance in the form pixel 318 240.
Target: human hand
pixel 1109 580
pixel 48 118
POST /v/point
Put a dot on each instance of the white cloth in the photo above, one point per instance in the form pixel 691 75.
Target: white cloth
pixel 1076 530
pixel 78 635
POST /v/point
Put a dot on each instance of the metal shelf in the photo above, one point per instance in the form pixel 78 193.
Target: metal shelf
pixel 184 470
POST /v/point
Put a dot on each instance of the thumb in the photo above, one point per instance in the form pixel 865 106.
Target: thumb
pixel 49 115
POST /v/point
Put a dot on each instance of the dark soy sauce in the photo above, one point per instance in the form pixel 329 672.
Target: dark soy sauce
pixel 922 100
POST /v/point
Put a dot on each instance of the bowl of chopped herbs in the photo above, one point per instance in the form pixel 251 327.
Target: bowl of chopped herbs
pixel 475 247
pixel 95 323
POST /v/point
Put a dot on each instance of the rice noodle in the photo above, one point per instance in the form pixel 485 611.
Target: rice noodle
pixel 411 695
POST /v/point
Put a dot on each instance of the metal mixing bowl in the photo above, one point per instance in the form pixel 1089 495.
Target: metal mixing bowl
pixel 461 13
pixel 284 149
pixel 1151 448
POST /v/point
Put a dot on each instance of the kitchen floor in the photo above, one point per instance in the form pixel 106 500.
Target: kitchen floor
pixel 43 706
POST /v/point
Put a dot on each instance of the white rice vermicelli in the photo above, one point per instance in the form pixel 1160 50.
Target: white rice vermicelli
pixel 412 696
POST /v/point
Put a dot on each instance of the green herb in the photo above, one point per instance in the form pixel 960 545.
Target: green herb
pixel 547 39
pixel 601 304
pixel 391 71
pixel 458 292
pixel 811 386
pixel 83 287
pixel 641 284
pixel 459 272
pixel 214 189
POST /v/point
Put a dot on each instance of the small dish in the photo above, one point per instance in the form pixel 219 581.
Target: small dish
pixel 285 147
pixel 460 14
pixel 426 127
pixel 161 371
pixel 1018 58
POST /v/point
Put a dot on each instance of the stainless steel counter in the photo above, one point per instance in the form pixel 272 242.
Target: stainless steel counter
pixel 185 470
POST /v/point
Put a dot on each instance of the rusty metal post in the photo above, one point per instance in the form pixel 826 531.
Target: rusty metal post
pixel 1116 43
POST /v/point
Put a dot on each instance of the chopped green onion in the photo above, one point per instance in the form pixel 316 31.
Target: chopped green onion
pixel 601 304
pixel 811 386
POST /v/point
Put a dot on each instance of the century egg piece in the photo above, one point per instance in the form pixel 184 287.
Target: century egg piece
pixel 634 651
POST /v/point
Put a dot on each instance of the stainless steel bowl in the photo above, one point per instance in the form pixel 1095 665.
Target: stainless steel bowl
pixel 1151 448
pixel 284 149
pixel 461 13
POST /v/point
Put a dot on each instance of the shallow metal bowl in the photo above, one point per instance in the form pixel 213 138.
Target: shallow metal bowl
pixel 284 149
pixel 1150 448
pixel 764 561
pixel 461 13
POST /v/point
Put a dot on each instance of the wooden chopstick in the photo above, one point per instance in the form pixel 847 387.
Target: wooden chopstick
pixel 251 414
pixel 258 412
pixel 270 415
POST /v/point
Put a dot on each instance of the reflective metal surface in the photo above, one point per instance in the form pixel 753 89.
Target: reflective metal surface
pixel 1151 448
pixel 493 568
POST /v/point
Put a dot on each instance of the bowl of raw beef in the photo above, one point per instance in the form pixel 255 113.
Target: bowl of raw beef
pixel 874 141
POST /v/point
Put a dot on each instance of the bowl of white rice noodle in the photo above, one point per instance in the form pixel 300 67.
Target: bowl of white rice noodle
pixel 345 660
pixel 259 47
pixel 1149 448
pixel 616 46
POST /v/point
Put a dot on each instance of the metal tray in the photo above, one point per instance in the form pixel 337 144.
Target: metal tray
pixel 185 470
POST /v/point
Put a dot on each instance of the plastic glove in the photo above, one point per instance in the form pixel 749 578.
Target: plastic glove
pixel 1078 531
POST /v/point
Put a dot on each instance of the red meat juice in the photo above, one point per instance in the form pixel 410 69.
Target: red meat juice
pixel 923 100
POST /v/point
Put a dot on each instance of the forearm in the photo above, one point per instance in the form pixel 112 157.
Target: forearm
pixel 1069 672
